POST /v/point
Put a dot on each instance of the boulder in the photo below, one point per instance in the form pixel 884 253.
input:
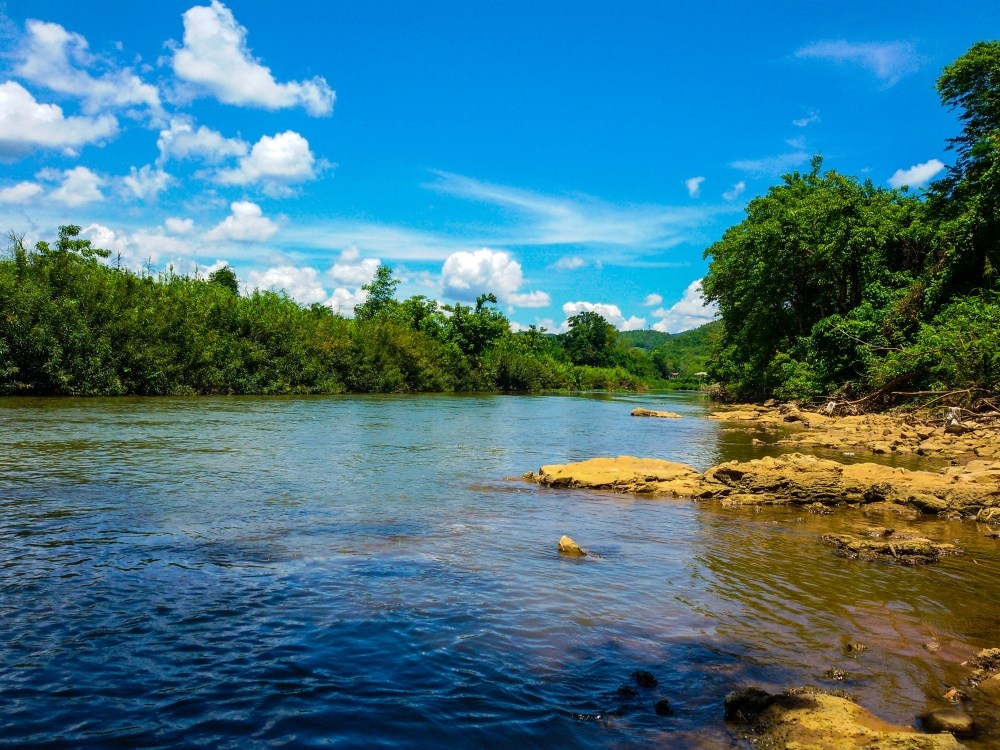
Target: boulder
pixel 898 548
pixel 953 720
pixel 651 413
pixel 568 547
pixel 626 474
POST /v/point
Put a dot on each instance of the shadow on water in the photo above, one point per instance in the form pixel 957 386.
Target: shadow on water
pixel 355 571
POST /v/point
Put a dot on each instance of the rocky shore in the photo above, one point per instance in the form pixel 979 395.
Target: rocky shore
pixel 903 433
pixel 964 491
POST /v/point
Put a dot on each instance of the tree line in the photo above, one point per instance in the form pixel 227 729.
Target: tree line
pixel 72 324
pixel 832 286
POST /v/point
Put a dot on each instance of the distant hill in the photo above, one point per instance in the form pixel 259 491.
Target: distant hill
pixel 683 353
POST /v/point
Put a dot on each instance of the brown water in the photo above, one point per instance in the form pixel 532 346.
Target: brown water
pixel 356 572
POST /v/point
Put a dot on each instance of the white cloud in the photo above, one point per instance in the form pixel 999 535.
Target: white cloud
pixel 738 189
pixel 138 248
pixel 275 161
pixel 581 220
pixel 652 300
pixel 916 176
pixel 52 57
pixel 569 263
pixel 343 301
pixel 79 186
pixel 687 313
pixel 693 185
pixel 301 284
pixel 610 313
pixel 246 223
pixel 26 125
pixel 146 183
pixel 183 141
pixel 888 61
pixel 179 226
pixel 771 165
pixel 351 269
pixel 465 275
pixel 22 192
pixel 807 120
pixel 216 59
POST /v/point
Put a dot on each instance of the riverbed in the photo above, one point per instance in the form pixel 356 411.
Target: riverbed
pixel 372 572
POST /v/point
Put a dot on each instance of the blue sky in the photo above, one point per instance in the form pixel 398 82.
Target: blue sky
pixel 564 155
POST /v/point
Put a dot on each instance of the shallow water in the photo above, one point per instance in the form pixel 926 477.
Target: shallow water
pixel 359 572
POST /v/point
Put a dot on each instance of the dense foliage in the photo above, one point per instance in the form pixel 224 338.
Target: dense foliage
pixel 832 285
pixel 71 324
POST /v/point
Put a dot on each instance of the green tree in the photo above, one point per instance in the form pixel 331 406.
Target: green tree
pixel 226 278
pixel 381 295
pixel 590 339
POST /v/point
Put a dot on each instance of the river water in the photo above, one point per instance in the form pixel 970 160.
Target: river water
pixel 371 572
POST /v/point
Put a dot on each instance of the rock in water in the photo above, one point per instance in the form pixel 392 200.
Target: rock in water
pixel 652 413
pixel 952 720
pixel 568 547
pixel 644 679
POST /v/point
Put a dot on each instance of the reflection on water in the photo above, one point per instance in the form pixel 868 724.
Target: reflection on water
pixel 356 571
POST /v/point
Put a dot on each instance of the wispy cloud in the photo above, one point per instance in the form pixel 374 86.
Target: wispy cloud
pixel 580 220
pixel 771 165
pixel 737 190
pixel 693 185
pixel 888 61
pixel 807 120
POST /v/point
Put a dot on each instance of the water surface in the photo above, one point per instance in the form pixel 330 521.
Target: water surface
pixel 369 572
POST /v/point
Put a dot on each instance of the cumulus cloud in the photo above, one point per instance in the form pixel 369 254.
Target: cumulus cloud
pixel 916 176
pixel 274 161
pixel 78 186
pixel 22 192
pixel 610 313
pixel 652 300
pixel 689 312
pixel 350 268
pixel 301 284
pixel 183 141
pixel 693 185
pixel 737 190
pixel 888 61
pixel 465 275
pixel 138 248
pixel 179 226
pixel 771 165
pixel 27 125
pixel 53 57
pixel 246 223
pixel 215 59
pixel 146 183
pixel 343 301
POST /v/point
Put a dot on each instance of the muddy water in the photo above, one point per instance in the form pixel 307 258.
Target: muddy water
pixel 357 572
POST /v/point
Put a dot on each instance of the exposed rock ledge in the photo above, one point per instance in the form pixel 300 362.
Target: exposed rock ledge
pixel 813 720
pixel 966 491
pixel 639 412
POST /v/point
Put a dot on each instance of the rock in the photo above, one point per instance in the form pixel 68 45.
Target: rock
pixel 651 413
pixel 836 674
pixel 988 660
pixel 932 646
pixel 990 687
pixel 568 547
pixel 989 515
pixel 854 647
pixel 903 549
pixel 806 718
pixel 625 474
pixel 952 720
pixel 663 708
pixel 644 679
pixel 953 424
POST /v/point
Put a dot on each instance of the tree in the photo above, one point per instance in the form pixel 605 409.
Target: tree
pixel 225 277
pixel 590 339
pixel 381 295
pixel 69 244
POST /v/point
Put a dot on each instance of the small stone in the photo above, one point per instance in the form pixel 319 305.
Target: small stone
pixel 836 674
pixel 856 647
pixel 568 547
pixel 951 720
pixel 644 679
pixel 932 646
pixel 663 708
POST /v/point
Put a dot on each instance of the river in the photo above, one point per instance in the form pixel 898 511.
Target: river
pixel 372 572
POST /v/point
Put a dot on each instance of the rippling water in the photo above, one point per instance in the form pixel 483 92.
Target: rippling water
pixel 359 572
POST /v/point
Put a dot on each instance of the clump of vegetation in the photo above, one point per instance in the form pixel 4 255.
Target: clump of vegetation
pixel 71 324
pixel 834 286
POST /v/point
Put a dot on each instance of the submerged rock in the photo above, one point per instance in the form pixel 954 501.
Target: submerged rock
pixel 903 549
pixel 953 720
pixel 808 718
pixel 568 547
pixel 644 679
pixel 652 413
pixel 663 708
